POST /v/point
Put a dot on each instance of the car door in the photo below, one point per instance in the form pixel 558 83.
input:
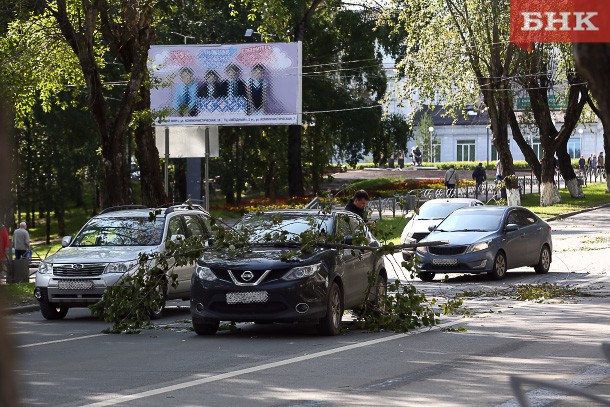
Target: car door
pixel 364 259
pixel 513 242
pixel 176 227
pixel 533 236
pixel 347 262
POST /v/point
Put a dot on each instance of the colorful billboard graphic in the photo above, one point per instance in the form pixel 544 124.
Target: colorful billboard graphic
pixel 226 85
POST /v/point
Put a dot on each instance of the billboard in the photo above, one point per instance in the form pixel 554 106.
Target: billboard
pixel 226 85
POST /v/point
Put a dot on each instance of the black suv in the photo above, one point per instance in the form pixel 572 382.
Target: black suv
pixel 262 286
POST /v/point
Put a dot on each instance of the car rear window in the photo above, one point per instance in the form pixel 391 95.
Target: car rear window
pixel 439 210
pixel 121 232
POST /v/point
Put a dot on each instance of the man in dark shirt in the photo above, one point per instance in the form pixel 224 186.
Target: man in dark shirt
pixel 358 203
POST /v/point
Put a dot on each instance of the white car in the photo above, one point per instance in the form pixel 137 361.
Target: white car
pixel 431 213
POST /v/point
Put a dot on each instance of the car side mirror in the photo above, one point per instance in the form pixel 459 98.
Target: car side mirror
pixel 431 228
pixel 65 241
pixel 348 240
pixel 176 238
pixel 511 227
pixel 210 242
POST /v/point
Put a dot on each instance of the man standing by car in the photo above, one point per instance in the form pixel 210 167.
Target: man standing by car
pixel 358 203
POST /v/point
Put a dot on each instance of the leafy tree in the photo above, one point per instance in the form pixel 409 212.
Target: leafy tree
pixel 593 60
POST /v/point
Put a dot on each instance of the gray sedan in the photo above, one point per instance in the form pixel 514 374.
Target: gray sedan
pixel 487 239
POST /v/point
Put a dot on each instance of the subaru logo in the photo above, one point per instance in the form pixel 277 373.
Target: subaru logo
pixel 77 266
pixel 247 276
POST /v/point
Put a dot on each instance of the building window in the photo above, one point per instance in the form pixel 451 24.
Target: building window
pixel 574 147
pixel 465 150
pixel 494 152
pixel 436 151
pixel 536 146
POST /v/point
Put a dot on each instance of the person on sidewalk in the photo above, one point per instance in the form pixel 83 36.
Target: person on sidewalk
pixel 451 179
pixel 479 176
pixel 21 241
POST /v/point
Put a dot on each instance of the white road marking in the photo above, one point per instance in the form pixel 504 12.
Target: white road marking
pixel 30 345
pixel 117 399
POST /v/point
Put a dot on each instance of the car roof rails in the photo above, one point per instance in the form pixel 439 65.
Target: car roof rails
pixel 122 208
pixel 184 206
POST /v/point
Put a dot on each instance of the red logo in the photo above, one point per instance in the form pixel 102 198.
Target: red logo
pixel 559 21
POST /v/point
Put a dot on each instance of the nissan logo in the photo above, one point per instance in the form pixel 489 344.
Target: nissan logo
pixel 247 276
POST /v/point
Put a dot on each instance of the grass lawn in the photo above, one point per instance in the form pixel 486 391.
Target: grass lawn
pixel 19 294
pixel 595 195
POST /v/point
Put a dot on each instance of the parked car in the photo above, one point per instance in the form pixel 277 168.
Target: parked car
pixel 260 286
pixel 486 239
pixel 107 247
pixel 431 213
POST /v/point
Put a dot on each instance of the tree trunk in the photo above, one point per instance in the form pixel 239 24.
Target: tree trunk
pixel 549 195
pixel 513 197
pixel 153 190
pixel 295 167
pixel 593 61
pixel 567 172
pixel 269 178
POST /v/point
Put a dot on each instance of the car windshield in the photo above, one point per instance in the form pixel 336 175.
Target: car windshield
pixel 439 210
pixel 121 232
pixel 474 221
pixel 272 226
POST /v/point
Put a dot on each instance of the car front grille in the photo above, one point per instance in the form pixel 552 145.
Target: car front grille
pixel 447 250
pixel 273 274
pixel 78 270
pixel 419 236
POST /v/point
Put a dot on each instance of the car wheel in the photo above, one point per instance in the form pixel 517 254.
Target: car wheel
pixel 499 269
pixel 426 276
pixel 157 311
pixel 52 311
pixel 379 293
pixel 544 263
pixel 330 325
pixel 205 326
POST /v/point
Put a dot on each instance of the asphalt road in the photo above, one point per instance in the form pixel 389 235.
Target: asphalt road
pixel 70 363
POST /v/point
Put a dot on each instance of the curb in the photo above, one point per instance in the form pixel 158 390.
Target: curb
pixel 567 215
pixel 23 309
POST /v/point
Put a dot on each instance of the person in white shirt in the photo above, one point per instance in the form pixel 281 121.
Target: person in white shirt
pixel 21 241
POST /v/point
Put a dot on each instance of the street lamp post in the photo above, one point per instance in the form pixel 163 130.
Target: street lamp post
pixel 182 35
pixel 430 131
pixel 487 129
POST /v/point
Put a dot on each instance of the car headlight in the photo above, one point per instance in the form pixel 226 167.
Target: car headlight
pixel 478 247
pixel 45 268
pixel 205 273
pixel 422 249
pixel 121 267
pixel 302 272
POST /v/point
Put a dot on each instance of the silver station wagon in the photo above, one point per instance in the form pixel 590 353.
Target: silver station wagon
pixel 106 248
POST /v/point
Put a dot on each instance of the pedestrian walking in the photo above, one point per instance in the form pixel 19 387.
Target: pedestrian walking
pixel 21 241
pixel 600 163
pixel 479 176
pixel 401 160
pixel 593 163
pixel 590 163
pixel 499 176
pixel 451 179
pixel 581 164
pixel 391 161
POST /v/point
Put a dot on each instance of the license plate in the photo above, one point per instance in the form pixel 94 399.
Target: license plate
pixel 445 262
pixel 75 284
pixel 247 297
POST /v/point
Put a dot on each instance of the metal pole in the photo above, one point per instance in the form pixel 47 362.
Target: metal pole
pixel 207 167
pixel 487 128
pixel 166 170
